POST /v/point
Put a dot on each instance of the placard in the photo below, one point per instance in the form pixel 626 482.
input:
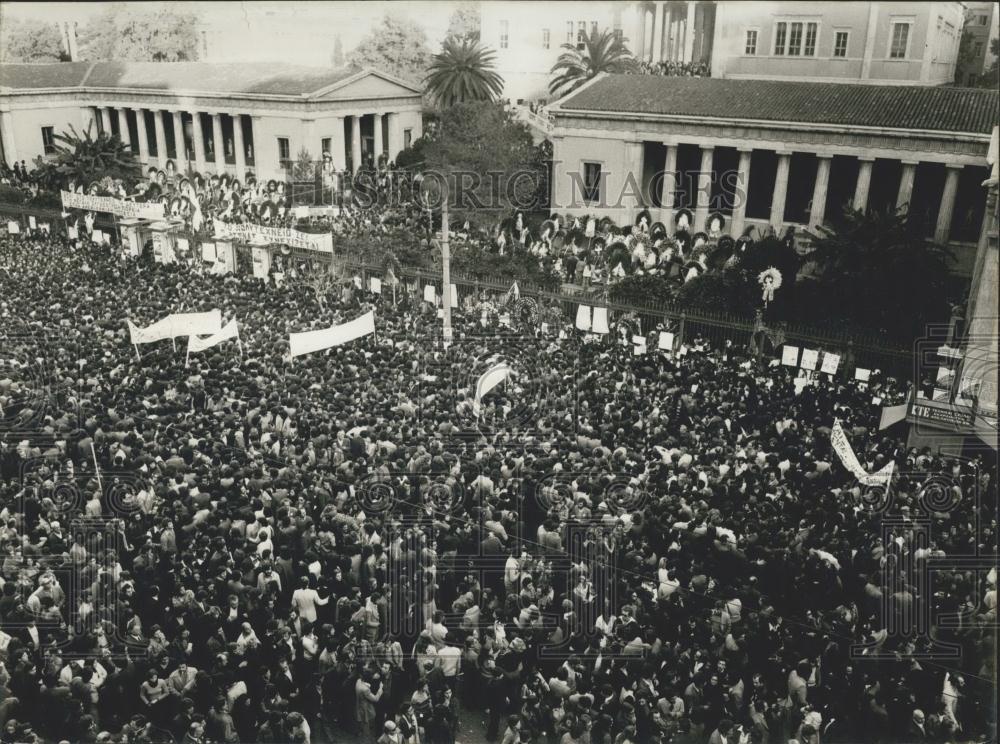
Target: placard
pixel 862 374
pixel 208 252
pixel 810 358
pixel 600 320
pixel 430 294
pixel 830 363
pixel 72 233
pixel 13 227
pixel 376 285
pixel 666 341
pixel 790 356
pixel 97 236
pixel 31 222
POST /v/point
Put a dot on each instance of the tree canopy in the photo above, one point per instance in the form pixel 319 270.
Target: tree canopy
pixel 396 46
pixel 462 72
pixel 30 41
pixel 602 51
pixel 83 158
pixel 490 160
pixel 465 22
pixel 139 33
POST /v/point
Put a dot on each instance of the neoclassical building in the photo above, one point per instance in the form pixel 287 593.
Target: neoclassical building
pixel 777 153
pixel 214 117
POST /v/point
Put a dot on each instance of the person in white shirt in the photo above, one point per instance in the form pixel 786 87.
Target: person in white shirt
pixel 305 599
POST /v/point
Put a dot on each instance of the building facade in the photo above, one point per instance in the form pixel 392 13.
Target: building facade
pixel 213 118
pixel 884 43
pixel 776 153
pixel 982 25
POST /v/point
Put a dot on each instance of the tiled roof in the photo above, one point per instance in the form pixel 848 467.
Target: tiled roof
pixel 894 107
pixel 207 77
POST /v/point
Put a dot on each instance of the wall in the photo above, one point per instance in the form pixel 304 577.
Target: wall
pixel 938 47
pixel 569 155
pixel 26 129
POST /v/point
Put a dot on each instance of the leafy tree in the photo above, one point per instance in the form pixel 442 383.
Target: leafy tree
pixel 85 158
pixel 489 159
pixel 603 51
pixel 463 72
pixel 397 46
pixel 141 33
pixel 465 22
pixel 30 41
pixel 878 270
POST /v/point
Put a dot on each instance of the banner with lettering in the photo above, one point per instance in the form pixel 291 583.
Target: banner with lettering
pixel 841 445
pixel 111 205
pixel 322 242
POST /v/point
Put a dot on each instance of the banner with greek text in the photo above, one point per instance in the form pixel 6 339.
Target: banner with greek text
pixel 178 324
pixel 310 341
pixel 841 445
pixel 322 242
pixel 111 205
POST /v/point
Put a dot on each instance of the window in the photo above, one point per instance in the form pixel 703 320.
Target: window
pixel 593 29
pixel 840 44
pixel 284 149
pixel 407 138
pixel 546 38
pixel 326 145
pixel 810 47
pixel 48 140
pixel 982 20
pixel 504 33
pixel 751 45
pixel 795 40
pixel 780 32
pixel 592 182
pixel 581 31
pixel 899 40
pixel 977 49
pixel 569 32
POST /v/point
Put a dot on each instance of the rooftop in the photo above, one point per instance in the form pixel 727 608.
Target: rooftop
pixel 196 77
pixel 970 110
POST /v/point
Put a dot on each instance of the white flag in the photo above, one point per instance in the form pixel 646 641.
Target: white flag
pixel 231 330
pixel 489 380
pixel 310 341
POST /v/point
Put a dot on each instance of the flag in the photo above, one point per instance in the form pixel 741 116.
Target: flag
pixel 892 415
pixel 231 330
pixel 489 380
pixel 513 295
pixel 310 341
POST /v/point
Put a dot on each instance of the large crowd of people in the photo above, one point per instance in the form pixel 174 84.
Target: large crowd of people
pixel 616 547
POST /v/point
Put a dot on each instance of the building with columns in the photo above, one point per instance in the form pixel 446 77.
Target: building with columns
pixel 775 153
pixel 881 43
pixel 211 117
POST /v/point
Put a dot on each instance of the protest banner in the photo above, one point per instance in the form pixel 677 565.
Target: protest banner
pixel 841 445
pixel 112 205
pixel 247 233
pixel 310 341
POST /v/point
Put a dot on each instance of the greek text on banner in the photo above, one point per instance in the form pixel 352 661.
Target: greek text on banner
pixel 118 207
pixel 322 242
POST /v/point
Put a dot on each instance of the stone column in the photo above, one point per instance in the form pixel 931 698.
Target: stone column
pixel 180 150
pixel 943 229
pixel 377 131
pixel 141 134
pixel 633 160
pixel 657 52
pixel 105 119
pixel 640 33
pixel 218 144
pixel 905 192
pixel 704 192
pixel 689 32
pixel 123 133
pixel 818 212
pixel 238 147
pixel 863 185
pixel 199 141
pixel 395 136
pixel 668 192
pixel 161 137
pixel 743 189
pixel 356 142
pixel 780 190
pixel 340 146
pixel 7 132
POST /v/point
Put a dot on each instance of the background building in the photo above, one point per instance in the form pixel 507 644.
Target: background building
pixel 981 27
pixel 778 153
pixel 859 42
pixel 214 117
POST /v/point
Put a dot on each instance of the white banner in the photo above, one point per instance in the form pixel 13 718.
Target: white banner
pixel 310 341
pixel 111 205
pixel 830 363
pixel 322 242
pixel 810 357
pixel 178 324
pixel 841 445
pixel 790 356
pixel 208 252
pixel 430 294
pixel 231 330
pixel 666 341
pixel 583 318
pixel 489 380
pixel 600 320
pixel 261 262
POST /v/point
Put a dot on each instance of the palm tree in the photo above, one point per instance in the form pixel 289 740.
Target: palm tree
pixel 85 158
pixel 603 51
pixel 463 72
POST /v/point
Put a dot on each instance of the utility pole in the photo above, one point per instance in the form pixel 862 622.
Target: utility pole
pixel 445 262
